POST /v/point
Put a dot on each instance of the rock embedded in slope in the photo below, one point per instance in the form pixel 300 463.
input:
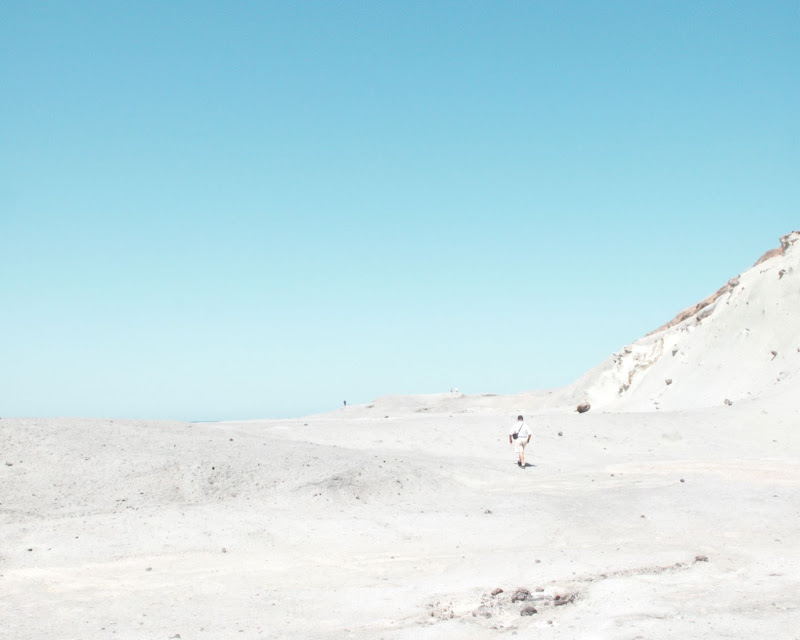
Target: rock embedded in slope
pixel 583 407
pixel 560 601
pixel 520 595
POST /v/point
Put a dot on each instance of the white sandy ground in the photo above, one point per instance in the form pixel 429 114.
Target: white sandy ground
pixel 397 520
pixel 358 527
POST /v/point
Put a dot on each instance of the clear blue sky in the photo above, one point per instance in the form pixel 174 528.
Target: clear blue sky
pixel 259 209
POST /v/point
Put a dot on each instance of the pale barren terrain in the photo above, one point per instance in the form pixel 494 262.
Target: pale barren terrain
pixel 663 512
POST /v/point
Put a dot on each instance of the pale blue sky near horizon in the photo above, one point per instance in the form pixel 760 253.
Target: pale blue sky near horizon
pixel 230 210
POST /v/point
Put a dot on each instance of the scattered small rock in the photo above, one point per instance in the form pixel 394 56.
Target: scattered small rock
pixel 728 402
pixel 774 354
pixel 30 549
pixel 488 511
pixel 9 464
pixel 674 352
pixel 561 433
pixel 224 550
pixel 537 561
pixel 641 516
pixel 149 569
pixel 520 595
pixel 682 480
pixel 539 589
pixel 497 591
pixel 701 558
pixel 528 611
pixel 560 601
pixel 781 273
pixel 583 408
pixel 668 381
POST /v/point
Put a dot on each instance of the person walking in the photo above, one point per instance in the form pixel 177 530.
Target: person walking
pixel 519 436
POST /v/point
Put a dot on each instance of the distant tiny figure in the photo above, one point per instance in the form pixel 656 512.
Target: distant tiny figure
pixel 345 403
pixel 520 436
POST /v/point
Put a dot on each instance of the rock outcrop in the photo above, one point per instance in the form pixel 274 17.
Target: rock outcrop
pixel 739 343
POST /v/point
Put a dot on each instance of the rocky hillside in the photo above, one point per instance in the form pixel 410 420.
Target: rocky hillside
pixel 741 343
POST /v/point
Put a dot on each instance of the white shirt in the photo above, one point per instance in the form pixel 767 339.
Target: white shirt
pixel 521 429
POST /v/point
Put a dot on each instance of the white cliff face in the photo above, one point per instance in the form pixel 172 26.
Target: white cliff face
pixel 739 344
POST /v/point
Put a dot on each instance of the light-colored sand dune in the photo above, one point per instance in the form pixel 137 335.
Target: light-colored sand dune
pixel 398 519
